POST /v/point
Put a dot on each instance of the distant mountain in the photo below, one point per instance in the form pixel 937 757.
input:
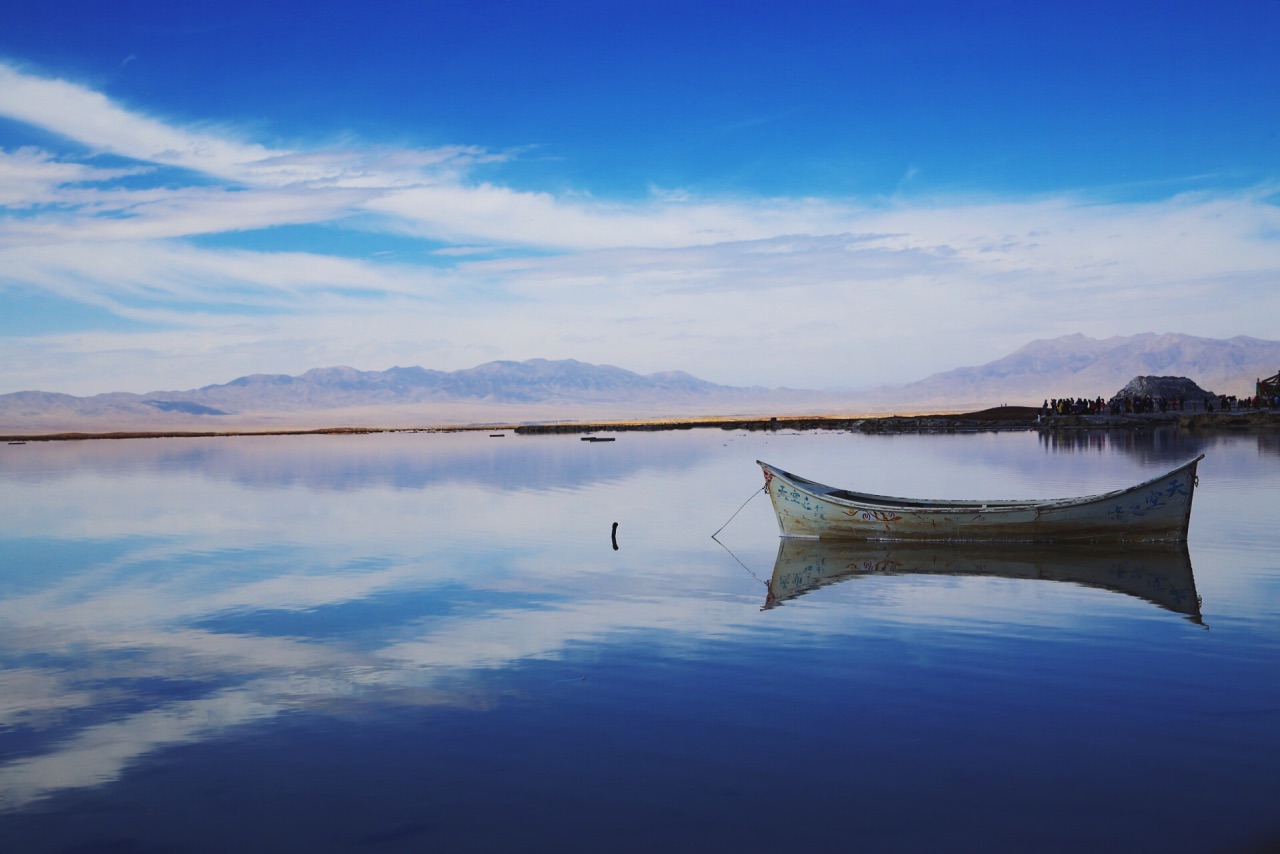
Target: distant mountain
pixel 1079 366
pixel 541 389
pixel 491 391
pixel 535 380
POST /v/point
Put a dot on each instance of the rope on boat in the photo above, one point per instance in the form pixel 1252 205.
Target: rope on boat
pixel 736 512
pixel 739 560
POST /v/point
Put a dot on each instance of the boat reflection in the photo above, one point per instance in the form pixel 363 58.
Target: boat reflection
pixel 1159 573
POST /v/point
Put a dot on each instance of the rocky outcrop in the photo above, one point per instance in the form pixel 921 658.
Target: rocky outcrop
pixel 1166 387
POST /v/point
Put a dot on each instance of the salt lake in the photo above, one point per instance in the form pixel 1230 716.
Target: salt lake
pixel 428 641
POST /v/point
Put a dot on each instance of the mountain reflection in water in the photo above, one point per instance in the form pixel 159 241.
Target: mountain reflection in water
pixel 1159 573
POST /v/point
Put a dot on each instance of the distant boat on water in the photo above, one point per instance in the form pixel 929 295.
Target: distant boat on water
pixel 1158 509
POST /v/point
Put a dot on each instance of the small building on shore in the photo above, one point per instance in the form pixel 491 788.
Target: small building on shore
pixel 1269 387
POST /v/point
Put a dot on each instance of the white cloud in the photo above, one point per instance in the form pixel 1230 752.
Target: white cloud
pixel 31 177
pixel 90 117
pixel 157 281
pixel 491 214
pixel 795 291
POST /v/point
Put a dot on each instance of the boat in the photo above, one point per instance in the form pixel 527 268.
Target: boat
pixel 1159 573
pixel 1158 509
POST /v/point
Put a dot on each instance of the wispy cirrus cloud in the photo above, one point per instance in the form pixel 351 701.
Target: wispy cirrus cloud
pixel 92 119
pixel 79 113
pixel 30 177
pixel 145 280
pixel 502 215
pixel 425 193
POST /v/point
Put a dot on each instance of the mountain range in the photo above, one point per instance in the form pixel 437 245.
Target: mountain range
pixel 1080 366
pixel 541 390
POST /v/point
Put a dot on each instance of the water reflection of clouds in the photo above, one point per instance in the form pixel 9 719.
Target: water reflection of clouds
pixel 203 569
pixel 32 697
pixel 191 546
pixel 238 680
pixel 99 753
pixel 246 679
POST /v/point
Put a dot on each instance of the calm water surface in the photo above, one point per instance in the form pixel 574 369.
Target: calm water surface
pixel 429 642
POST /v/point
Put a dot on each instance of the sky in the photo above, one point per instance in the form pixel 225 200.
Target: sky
pixel 803 194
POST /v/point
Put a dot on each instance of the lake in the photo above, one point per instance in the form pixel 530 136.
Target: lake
pixel 428 641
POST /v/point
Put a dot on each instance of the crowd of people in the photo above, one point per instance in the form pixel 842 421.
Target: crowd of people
pixel 1125 405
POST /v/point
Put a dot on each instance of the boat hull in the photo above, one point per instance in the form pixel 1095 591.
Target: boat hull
pixel 1157 510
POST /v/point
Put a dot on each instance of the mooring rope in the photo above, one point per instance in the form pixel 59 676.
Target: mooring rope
pixel 739 560
pixel 736 512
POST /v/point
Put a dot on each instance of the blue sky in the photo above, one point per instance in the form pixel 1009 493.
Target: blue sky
pixel 803 194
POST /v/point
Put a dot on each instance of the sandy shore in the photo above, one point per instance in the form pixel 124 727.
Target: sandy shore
pixel 998 418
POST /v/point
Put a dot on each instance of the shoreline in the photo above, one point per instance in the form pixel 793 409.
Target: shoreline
pixel 1001 418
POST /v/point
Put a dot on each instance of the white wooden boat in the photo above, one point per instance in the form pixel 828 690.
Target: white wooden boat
pixel 1158 509
pixel 1159 573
